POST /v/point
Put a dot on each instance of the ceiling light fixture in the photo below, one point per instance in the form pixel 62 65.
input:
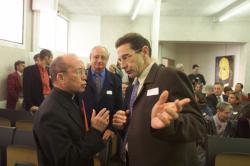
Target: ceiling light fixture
pixel 233 10
pixel 136 9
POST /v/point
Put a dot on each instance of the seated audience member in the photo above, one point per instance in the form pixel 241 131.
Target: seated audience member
pixel 62 134
pixel 227 90
pixel 216 97
pixel 220 124
pixel 124 89
pixel 243 126
pixel 198 88
pixel 36 82
pixel 15 87
pixel 234 100
pixel 201 100
pixel 239 89
pixel 195 77
pixel 209 89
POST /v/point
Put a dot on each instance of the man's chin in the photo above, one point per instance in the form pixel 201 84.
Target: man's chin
pixel 82 89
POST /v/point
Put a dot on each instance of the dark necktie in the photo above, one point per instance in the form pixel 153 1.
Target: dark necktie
pixel 97 83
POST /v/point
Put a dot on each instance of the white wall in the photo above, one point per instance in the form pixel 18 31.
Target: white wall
pixel 167 50
pixel 11 52
pixel 84 34
pixel 201 29
pixel 114 27
pixel 204 55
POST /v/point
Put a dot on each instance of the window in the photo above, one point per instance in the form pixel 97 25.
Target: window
pixel 11 17
pixel 53 32
pixel 61 34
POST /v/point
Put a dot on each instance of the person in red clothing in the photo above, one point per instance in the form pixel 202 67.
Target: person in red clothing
pixel 15 86
pixel 239 89
pixel 36 82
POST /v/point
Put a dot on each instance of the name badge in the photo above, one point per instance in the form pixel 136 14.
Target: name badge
pixel 152 92
pixel 109 92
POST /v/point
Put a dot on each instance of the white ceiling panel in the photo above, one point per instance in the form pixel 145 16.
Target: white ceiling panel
pixel 195 8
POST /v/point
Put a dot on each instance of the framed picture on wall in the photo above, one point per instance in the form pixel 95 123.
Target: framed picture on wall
pixel 224 69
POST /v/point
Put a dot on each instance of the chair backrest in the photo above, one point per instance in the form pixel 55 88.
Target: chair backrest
pixel 7 113
pixel 24 124
pixel 23 150
pixel 14 115
pixel 6 139
pixel 7 134
pixel 20 155
pixel 5 122
pixel 232 159
pixel 217 145
pixel 23 137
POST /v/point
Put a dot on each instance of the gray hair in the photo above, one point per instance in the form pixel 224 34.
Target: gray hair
pixel 221 106
pixel 100 46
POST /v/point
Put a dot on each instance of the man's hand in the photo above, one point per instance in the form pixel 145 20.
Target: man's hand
pixel 101 120
pixel 33 109
pixel 120 119
pixel 107 134
pixel 164 113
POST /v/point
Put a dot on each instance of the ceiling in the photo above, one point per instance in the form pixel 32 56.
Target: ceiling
pixel 195 8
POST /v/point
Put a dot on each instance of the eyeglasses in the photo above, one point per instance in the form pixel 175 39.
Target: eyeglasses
pixel 126 56
pixel 78 72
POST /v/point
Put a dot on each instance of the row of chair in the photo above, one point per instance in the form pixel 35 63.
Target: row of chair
pixel 19 119
pixel 228 151
pixel 17 147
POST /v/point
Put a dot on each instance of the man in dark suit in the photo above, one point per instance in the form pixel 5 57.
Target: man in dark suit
pixel 15 86
pixel 61 130
pixel 164 122
pixel 36 84
pixel 103 87
pixel 216 97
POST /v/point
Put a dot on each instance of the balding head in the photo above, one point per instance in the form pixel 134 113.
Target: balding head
pixel 62 64
pixel 68 73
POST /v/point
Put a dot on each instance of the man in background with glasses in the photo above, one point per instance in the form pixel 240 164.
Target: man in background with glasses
pixel 162 121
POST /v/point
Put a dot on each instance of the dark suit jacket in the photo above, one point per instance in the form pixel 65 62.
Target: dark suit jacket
pixel 212 102
pixel 14 87
pixel 243 128
pixel 32 87
pixel 60 133
pixel 174 145
pixel 110 97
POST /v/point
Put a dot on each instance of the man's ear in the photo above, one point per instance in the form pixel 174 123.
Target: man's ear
pixel 60 76
pixel 145 50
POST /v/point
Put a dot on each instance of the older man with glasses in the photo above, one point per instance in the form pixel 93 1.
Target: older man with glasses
pixel 61 129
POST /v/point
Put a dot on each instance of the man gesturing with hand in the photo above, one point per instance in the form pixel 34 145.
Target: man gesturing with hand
pixel 162 122
pixel 61 129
